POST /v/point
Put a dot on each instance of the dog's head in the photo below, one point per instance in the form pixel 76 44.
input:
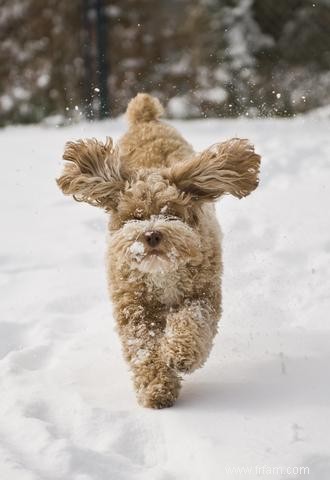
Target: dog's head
pixel 156 213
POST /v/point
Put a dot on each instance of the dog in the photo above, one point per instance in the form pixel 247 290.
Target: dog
pixel 164 253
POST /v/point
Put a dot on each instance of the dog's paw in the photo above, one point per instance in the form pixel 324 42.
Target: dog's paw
pixel 157 395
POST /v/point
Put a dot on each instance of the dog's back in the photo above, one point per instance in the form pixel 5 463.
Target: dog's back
pixel 150 143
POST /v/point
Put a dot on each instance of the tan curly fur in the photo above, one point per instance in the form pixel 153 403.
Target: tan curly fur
pixel 166 295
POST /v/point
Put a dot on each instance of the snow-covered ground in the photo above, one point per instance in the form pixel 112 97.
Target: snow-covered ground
pixel 67 408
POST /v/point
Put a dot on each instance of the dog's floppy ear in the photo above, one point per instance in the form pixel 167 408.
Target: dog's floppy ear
pixel 228 167
pixel 93 173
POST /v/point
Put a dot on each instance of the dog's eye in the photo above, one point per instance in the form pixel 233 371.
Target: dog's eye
pixel 137 214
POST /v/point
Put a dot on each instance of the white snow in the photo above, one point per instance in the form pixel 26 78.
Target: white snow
pixel 67 406
pixel 137 250
pixel 141 355
pixel 181 107
pixel 6 102
pixel 164 209
pixel 216 95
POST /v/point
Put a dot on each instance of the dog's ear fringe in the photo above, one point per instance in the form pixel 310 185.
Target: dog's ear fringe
pixel 93 173
pixel 231 167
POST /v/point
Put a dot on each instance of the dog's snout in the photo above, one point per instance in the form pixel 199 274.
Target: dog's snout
pixel 153 238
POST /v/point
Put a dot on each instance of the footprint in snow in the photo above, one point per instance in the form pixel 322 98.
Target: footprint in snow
pixel 37 409
pixel 138 440
pixel 74 304
pixel 35 358
pixel 10 337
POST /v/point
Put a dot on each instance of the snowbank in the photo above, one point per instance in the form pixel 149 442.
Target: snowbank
pixel 67 406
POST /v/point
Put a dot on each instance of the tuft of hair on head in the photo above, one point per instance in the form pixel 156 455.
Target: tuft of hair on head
pixel 231 167
pixel 144 108
pixel 93 172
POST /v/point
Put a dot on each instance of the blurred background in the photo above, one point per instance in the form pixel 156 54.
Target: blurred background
pixel 202 58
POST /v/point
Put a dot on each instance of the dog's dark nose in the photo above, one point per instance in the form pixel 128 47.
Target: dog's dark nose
pixel 153 238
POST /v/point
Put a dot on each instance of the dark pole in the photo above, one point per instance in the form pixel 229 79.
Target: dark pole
pixel 102 61
pixel 88 58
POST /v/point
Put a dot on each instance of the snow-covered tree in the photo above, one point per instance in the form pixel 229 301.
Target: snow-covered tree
pixel 201 57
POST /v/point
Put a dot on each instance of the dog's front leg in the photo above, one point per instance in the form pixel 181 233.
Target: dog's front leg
pixel 188 336
pixel 157 385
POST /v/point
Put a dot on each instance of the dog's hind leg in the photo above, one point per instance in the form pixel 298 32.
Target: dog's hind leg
pixel 188 336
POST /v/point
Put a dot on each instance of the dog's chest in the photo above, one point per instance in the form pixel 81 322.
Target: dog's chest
pixel 167 288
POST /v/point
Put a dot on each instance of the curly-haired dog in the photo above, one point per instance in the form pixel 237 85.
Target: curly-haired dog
pixel 164 256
